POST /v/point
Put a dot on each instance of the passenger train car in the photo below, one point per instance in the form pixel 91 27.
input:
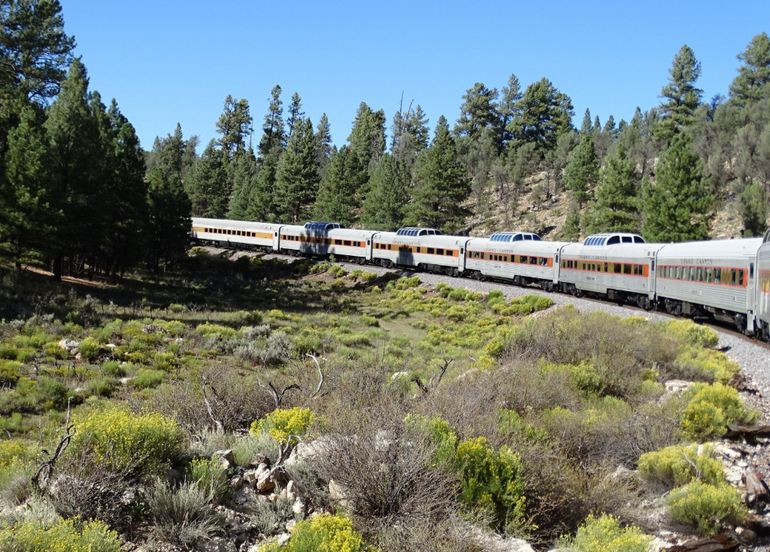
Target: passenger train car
pixel 620 266
pixel 728 280
pixel 762 301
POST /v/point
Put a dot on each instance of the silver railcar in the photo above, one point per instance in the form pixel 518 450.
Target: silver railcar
pixel 524 261
pixel 260 234
pixel 327 238
pixel 618 265
pixel 420 248
pixel 710 277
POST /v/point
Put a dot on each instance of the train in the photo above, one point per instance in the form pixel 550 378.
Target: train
pixel 727 280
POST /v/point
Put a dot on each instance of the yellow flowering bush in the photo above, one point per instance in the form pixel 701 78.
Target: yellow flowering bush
pixel 692 333
pixel 65 535
pixel 678 465
pixel 711 408
pixel 706 506
pixel 282 423
pixel 323 533
pixel 123 441
pixel 605 533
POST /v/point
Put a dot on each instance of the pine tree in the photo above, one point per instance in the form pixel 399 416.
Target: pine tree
pixel 508 107
pixel 323 139
pixel 543 115
pixel 334 193
pixel 366 146
pixel 25 190
pixel 753 202
pixel 582 170
pixel 682 98
pixel 675 206
pixel 477 112
pixel 571 229
pixel 234 125
pixel 127 214
pixel 168 219
pixel 34 48
pixel 263 197
pixel 753 80
pixel 209 186
pixel 385 203
pixel 441 184
pixel 273 137
pixel 74 145
pixel 243 175
pixel 297 175
pixel 616 205
pixel 410 135
pixel 586 127
pixel 295 113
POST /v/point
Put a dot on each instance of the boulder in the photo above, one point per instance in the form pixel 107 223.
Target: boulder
pixel 305 451
pixel 69 345
pixel 225 457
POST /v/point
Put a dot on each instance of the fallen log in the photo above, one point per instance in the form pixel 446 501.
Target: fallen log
pixel 756 488
pixel 748 432
pixel 719 543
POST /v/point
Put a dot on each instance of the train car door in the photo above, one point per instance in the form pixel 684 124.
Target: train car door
pixel 461 259
pixel 277 238
pixel 751 293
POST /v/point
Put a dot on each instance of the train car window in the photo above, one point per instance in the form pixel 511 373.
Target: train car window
pixel 533 260
pixel 613 240
pixel 626 269
pixel 430 251
pixel 751 270
pixel 616 267
pixel 628 239
pixel 347 242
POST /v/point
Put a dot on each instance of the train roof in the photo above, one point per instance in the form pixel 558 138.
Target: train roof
pixel 513 236
pixel 525 246
pixel 417 231
pixel 612 238
pixel 621 250
pixel 226 223
pixel 739 248
pixel 317 226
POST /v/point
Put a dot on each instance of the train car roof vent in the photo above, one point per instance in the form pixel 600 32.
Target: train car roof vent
pixel 613 238
pixel 416 231
pixel 513 236
pixel 319 226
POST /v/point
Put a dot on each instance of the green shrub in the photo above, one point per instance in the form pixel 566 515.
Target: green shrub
pixel 583 375
pixel 90 349
pixel 604 534
pixel 63 536
pixel 490 481
pixel 101 387
pixel 10 371
pixel 139 444
pixel 323 533
pixel 509 422
pixel 25 354
pixel 182 515
pixel 17 451
pixel 177 308
pixel 706 506
pixel 678 465
pixel 211 476
pixel 215 330
pixel 711 408
pixel 692 333
pixel 7 351
pixel 337 271
pixel 50 393
pixel 283 424
pixel 146 378
pixel 708 364
pixel 114 368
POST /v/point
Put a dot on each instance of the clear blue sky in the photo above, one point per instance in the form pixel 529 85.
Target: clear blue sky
pixel 174 60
